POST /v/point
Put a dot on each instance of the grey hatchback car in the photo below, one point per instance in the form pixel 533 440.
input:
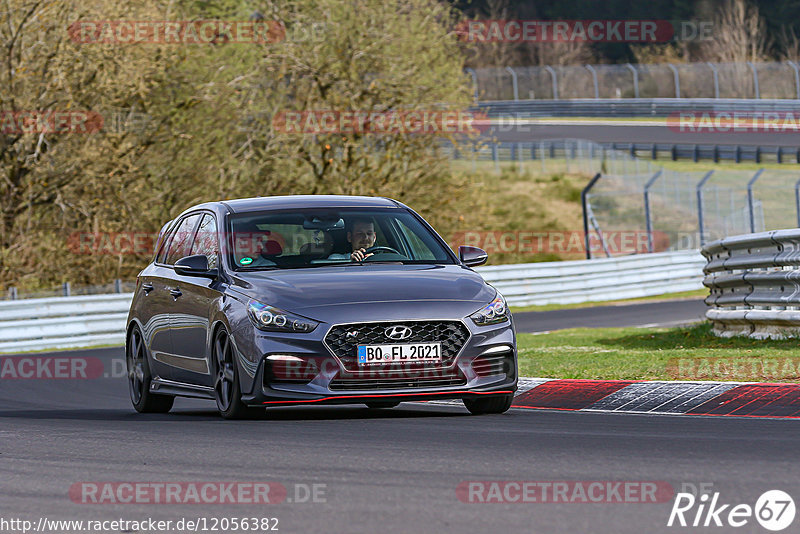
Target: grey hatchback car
pixel 294 300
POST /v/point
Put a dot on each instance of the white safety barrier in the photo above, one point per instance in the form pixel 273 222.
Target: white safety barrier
pixel 567 282
pixel 83 321
pixel 63 322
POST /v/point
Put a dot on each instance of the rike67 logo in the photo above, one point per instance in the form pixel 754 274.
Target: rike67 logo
pixel 774 510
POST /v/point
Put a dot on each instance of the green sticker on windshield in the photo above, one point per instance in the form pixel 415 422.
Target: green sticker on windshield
pixel 246 261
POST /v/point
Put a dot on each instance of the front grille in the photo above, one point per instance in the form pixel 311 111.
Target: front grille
pixel 451 377
pixel 499 364
pixel 452 335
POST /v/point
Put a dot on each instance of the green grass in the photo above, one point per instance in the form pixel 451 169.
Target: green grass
pixel 683 295
pixel 655 354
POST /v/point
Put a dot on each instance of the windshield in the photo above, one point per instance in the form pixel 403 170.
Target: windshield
pixel 314 238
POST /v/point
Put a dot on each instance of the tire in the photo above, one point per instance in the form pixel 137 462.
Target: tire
pixel 488 405
pixel 381 404
pixel 139 377
pixel 227 391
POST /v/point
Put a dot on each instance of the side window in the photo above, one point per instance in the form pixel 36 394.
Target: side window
pixel 181 243
pixel 162 243
pixel 206 241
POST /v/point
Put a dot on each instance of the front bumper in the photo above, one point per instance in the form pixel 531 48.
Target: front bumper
pixel 327 380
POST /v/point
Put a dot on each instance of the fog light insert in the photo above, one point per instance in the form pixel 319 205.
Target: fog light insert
pixel 290 369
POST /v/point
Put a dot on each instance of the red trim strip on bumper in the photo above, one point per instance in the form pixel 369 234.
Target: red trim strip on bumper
pixel 448 393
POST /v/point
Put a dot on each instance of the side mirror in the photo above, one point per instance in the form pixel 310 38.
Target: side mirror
pixel 196 265
pixel 472 256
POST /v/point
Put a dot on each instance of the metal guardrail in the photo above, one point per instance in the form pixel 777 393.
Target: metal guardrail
pixel 63 322
pixel 84 321
pixel 567 282
pixel 641 107
pixel 567 149
pixel 754 284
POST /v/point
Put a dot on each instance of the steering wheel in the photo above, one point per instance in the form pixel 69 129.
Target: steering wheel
pixel 380 250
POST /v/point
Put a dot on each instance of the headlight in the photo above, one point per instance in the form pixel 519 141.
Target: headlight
pixel 494 312
pixel 272 319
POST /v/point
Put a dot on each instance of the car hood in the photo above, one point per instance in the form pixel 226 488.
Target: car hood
pixel 370 292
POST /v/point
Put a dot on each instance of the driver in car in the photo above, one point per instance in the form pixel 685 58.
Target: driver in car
pixel 361 236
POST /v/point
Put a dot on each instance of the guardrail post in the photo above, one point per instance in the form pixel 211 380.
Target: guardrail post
pixel 584 204
pixel 696 154
pixel 716 153
pixel 677 80
pixel 738 156
pixel 700 185
pixel 474 81
pixel 597 85
pixel 495 158
pixel 66 289
pixel 779 154
pixel 117 286
pixel 654 152
pixel 674 151
pixel 758 154
pixel 635 80
pixel 552 72
pixel 750 202
pixel 647 218
pixel 514 85
pixel 796 77
pixel 716 79
pixel 12 293
pixel 755 79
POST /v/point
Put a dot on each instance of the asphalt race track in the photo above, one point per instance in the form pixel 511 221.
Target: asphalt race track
pixel 665 313
pixel 631 133
pixel 384 471
pixel 379 470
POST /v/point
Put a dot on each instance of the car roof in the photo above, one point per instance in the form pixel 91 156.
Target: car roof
pixel 244 205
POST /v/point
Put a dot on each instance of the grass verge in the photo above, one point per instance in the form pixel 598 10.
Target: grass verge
pixel 690 353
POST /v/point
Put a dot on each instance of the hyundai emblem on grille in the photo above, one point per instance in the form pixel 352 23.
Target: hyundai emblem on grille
pixel 397 332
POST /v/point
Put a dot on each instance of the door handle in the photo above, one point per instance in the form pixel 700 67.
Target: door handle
pixel 175 292
pixel 147 287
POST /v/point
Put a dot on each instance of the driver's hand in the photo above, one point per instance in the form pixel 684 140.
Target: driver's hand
pixel 360 255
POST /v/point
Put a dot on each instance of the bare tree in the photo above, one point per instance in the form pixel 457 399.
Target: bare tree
pixel 740 34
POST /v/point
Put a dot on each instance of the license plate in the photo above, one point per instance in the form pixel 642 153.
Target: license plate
pixel 408 352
